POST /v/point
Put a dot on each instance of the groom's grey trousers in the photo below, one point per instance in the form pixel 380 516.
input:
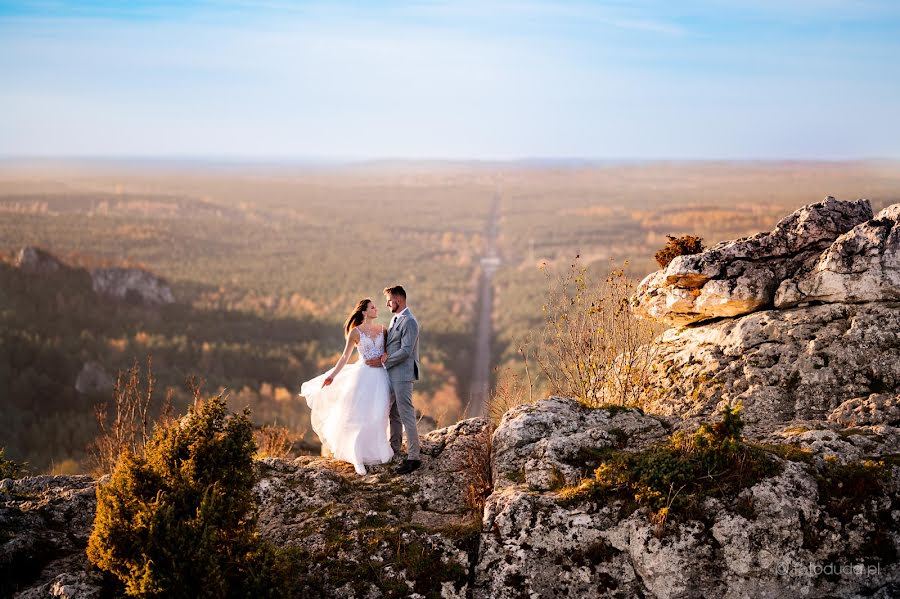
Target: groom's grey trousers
pixel 403 416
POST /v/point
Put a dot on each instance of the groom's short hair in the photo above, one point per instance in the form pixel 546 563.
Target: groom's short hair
pixel 395 290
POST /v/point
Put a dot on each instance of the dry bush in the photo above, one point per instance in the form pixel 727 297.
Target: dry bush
pixel 478 468
pixel 592 347
pixel 510 390
pixel 273 441
pixel 130 429
pixel 678 246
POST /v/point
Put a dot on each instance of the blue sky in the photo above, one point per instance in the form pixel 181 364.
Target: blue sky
pixel 468 79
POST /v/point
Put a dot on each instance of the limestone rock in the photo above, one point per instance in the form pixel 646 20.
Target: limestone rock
pixel 544 444
pixel 356 524
pixel 782 365
pixel 827 441
pixel 773 539
pixel 741 276
pixel 877 408
pixel 45 522
pixel 37 261
pixel 415 535
pixel 69 585
pixel 132 284
pixel 861 265
pixel 533 547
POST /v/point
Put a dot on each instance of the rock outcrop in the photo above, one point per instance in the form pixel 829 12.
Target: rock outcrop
pixel 93 378
pixel 418 535
pixel 417 532
pixel 825 331
pixel 741 276
pixel 862 265
pixel 45 522
pixel 132 284
pixel 37 261
pixel 782 365
pixel 780 537
pixel 123 284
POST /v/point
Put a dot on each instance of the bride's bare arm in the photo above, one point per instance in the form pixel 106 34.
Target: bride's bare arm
pixel 352 340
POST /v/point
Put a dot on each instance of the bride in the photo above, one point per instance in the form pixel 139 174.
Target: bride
pixel 350 405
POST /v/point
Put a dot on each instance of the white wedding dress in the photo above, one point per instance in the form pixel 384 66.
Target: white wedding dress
pixel 350 416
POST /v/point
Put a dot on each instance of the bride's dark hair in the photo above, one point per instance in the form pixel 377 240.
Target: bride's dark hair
pixel 358 315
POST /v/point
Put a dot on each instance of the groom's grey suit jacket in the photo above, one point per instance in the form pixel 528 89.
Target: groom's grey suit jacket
pixel 402 348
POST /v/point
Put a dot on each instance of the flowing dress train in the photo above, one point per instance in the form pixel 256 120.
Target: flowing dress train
pixel 350 416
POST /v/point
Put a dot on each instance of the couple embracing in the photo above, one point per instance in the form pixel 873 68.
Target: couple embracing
pixel 353 403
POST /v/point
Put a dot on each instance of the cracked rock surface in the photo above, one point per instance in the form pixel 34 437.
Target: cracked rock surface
pixel 862 265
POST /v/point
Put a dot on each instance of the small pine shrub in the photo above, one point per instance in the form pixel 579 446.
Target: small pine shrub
pixel 678 246
pixel 9 468
pixel 178 520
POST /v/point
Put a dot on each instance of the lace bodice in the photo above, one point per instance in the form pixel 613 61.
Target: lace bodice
pixel 370 347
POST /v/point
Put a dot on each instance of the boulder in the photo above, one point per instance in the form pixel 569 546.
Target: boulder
pixel 877 408
pixel 544 445
pixel 779 537
pixel 741 276
pixel 132 284
pixel 37 261
pixel 416 532
pixel 93 378
pixel 862 265
pixel 45 522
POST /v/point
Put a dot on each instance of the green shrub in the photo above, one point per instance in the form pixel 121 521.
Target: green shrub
pixel 678 246
pixel 178 521
pixel 674 477
pixel 845 489
pixel 9 468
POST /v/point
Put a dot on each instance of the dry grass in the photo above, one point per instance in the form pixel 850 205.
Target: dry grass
pixel 273 441
pixel 480 473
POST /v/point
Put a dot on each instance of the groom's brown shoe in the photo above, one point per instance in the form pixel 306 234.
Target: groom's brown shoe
pixel 408 466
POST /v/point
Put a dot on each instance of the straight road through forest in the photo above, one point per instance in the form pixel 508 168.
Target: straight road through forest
pixel 480 384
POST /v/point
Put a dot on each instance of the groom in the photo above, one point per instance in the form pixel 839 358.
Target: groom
pixel 401 359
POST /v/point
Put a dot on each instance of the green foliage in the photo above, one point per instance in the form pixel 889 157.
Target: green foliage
pixel 846 488
pixel 9 468
pixel 678 246
pixel 178 520
pixel 674 477
pixel 857 491
pixel 792 452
